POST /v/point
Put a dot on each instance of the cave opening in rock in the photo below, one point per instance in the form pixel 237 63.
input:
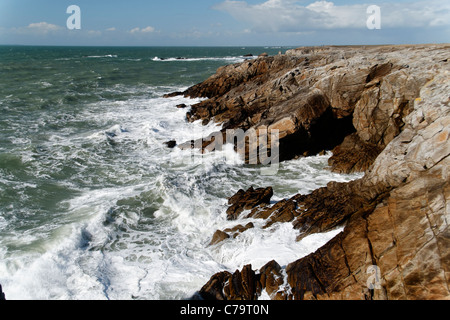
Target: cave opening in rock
pixel 324 134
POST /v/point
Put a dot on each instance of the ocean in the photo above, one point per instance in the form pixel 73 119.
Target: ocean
pixel 94 206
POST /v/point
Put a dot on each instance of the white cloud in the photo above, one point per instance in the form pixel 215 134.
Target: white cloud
pixel 41 27
pixel 94 33
pixel 148 29
pixel 111 29
pixel 295 16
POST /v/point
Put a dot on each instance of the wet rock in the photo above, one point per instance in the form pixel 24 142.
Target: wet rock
pixel 395 244
pixel 241 285
pixel 218 237
pixel 235 231
pixel 317 97
pixel 271 279
pixel 283 211
pixel 246 200
pixel 173 94
pixel 213 290
pixel 171 144
pixel 246 284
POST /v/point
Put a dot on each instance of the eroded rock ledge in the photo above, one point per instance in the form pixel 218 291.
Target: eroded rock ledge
pixel 350 99
pixel 383 110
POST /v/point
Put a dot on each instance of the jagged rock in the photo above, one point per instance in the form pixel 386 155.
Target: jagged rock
pixel 271 279
pixel 173 94
pixel 171 144
pixel 353 155
pixel 218 237
pixel 326 208
pixel 235 231
pixel 240 285
pixel 282 211
pixel 213 290
pixel 317 97
pixel 396 216
pixel 246 200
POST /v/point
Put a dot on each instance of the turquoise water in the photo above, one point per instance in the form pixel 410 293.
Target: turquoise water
pixel 92 203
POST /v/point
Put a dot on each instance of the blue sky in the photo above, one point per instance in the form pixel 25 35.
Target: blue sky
pixel 223 22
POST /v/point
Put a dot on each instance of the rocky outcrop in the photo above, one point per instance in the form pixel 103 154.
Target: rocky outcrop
pixel 246 200
pixel 396 218
pixel 382 110
pixel 318 97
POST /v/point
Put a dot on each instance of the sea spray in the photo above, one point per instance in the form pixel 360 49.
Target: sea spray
pixel 93 204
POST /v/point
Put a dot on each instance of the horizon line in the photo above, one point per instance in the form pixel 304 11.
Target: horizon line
pixel 154 46
pixel 223 46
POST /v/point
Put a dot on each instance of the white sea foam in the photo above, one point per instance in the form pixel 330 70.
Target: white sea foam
pixel 257 246
pixel 145 234
pixel 181 59
pixel 104 56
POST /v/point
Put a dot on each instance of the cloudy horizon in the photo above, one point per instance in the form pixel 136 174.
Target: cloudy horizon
pixel 223 22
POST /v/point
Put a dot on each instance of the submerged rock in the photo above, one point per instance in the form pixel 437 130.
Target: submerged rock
pixel 171 144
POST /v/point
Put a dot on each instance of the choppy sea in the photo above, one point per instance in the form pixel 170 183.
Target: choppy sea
pixel 93 205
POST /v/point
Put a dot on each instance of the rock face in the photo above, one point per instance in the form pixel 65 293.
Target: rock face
pixel 245 200
pixel 382 110
pixel 317 97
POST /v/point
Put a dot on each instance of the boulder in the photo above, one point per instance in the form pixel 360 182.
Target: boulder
pixel 271 279
pixel 171 144
pixel 246 200
pixel 218 237
pixel 241 285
